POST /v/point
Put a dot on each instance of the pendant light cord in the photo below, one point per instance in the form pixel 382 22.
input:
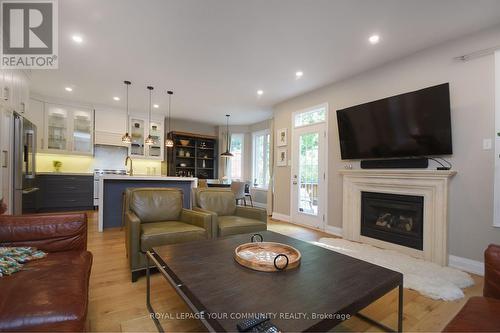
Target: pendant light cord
pixel 149 125
pixel 127 84
pixel 169 111
pixel 227 133
pixel 128 116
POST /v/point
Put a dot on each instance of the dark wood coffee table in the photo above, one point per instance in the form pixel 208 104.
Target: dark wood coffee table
pixel 318 295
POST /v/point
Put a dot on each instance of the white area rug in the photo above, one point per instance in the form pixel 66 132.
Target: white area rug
pixel 428 278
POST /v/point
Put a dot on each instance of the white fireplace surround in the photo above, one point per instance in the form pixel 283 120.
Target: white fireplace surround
pixel 431 184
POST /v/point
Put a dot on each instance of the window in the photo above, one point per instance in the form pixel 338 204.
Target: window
pixel 312 116
pixel 261 147
pixel 236 162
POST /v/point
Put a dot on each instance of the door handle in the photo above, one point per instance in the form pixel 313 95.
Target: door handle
pixel 31 135
pixel 31 190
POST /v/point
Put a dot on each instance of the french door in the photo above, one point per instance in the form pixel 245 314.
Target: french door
pixel 309 197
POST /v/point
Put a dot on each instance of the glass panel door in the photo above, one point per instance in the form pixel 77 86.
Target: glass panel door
pixel 57 127
pixel 155 149
pixel 82 131
pixel 309 187
pixel 137 133
pixel 308 179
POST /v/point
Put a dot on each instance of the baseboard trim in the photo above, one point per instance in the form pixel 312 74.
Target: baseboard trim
pixel 330 229
pixel 468 265
pixel 260 204
pixel 281 217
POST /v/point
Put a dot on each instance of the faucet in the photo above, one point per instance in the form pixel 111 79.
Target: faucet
pixel 131 170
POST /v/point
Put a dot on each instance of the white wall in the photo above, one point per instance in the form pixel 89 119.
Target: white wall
pixel 181 125
pixel 496 221
pixel 472 103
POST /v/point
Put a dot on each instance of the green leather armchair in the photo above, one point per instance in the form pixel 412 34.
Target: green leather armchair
pixel 228 218
pixel 155 217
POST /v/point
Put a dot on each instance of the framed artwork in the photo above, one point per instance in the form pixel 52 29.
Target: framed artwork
pixel 282 137
pixel 282 157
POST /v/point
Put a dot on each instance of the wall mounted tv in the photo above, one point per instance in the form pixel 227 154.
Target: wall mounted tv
pixel 408 125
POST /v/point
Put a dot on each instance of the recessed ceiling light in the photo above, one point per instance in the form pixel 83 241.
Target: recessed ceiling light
pixel 374 39
pixel 260 92
pixel 68 89
pixel 156 106
pixel 77 39
pixel 299 74
pixel 116 98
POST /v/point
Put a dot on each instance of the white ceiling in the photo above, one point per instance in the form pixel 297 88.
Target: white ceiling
pixel 215 54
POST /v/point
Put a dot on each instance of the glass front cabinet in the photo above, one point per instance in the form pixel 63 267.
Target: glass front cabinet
pixel 139 131
pixel 68 130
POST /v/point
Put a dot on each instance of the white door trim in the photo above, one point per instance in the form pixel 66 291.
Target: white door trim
pixel 326 139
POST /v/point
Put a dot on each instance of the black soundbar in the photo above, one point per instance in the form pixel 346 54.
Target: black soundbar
pixel 403 163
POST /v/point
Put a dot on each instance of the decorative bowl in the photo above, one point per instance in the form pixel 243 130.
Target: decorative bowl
pixel 184 142
pixel 267 256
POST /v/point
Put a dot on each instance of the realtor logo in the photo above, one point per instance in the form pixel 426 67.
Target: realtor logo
pixel 29 34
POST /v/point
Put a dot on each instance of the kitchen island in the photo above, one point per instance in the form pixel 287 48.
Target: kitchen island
pixel 112 187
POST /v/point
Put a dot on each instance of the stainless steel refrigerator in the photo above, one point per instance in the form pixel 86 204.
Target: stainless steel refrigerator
pixel 25 182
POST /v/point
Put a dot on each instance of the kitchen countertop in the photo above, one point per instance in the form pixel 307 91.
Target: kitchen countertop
pixel 139 177
pixel 65 173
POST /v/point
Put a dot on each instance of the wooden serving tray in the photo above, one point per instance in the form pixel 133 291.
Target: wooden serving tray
pixel 262 256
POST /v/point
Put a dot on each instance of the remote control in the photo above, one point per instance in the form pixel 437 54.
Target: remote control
pixel 249 323
pixel 266 327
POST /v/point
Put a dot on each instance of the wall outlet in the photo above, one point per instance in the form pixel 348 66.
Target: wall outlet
pixel 487 145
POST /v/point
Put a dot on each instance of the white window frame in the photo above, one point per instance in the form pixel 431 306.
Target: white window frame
pixel 242 170
pixel 254 135
pixel 309 109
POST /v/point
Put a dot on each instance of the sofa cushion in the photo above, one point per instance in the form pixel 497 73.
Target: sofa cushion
pixel 156 204
pixel 233 225
pixel 492 271
pixel 169 232
pixel 49 294
pixel 480 314
pixel 221 202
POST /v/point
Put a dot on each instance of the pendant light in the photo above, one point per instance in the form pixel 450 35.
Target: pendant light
pixel 127 139
pixel 149 141
pixel 227 153
pixel 169 143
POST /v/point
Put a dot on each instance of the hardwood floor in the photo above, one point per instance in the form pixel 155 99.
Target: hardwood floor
pixel 116 304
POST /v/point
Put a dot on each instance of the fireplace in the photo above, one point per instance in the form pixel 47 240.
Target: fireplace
pixel 393 218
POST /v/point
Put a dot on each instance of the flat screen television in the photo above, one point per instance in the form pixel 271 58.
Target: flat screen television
pixel 413 124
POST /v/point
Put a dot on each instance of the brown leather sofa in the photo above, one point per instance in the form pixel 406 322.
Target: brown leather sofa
pixel 228 218
pixel 49 294
pixel 482 314
pixel 155 217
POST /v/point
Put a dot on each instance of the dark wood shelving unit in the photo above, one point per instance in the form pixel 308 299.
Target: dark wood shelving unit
pixel 202 151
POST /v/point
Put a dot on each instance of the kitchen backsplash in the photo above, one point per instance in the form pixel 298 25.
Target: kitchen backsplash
pixel 105 157
pixel 109 157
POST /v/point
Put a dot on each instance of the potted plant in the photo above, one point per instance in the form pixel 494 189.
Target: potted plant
pixel 57 165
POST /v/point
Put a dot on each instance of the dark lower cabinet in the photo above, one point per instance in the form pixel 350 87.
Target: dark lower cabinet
pixel 60 193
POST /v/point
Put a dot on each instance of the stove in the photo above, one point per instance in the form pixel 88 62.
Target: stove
pixel 100 172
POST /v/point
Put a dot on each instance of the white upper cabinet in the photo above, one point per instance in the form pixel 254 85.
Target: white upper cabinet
pixel 14 90
pixel 139 131
pixel 68 130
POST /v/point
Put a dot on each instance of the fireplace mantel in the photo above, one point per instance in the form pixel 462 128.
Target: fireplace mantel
pixel 431 184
